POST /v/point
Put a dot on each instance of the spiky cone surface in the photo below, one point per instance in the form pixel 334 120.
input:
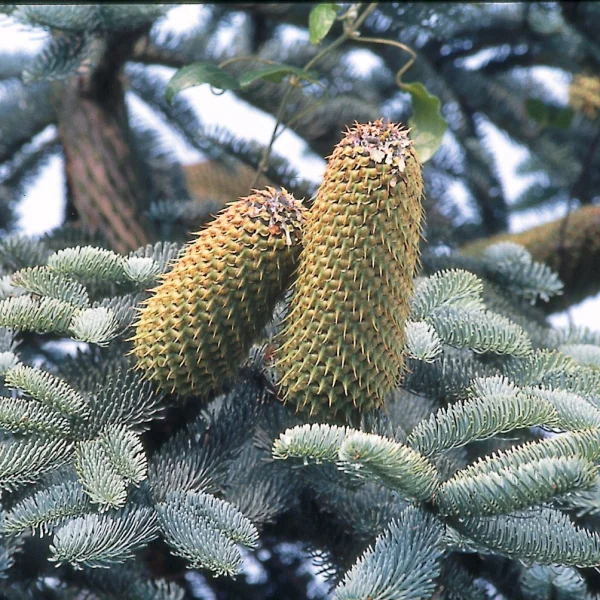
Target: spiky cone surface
pixel 197 326
pixel 341 348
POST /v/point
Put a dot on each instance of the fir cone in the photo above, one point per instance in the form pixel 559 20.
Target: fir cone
pixel 342 344
pixel 198 325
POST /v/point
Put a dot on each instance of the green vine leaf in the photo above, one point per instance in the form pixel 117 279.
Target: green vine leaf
pixel 427 124
pixel 274 73
pixel 320 21
pixel 198 74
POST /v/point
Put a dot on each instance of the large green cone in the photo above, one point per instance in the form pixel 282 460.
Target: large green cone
pixel 342 346
pixel 196 328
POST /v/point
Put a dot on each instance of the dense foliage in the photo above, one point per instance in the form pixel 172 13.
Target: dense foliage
pixel 475 477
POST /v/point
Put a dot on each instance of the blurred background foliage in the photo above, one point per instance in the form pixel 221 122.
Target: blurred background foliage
pixel 524 71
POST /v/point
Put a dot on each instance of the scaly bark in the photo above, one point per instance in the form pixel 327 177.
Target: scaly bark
pixel 108 187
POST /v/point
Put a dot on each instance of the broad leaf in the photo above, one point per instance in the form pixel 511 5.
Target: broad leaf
pixel 274 73
pixel 197 74
pixel 427 124
pixel 320 21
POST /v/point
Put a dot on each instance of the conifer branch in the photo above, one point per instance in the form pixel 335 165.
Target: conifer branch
pixel 104 540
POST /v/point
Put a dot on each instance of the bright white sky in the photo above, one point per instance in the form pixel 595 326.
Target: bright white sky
pixel 41 208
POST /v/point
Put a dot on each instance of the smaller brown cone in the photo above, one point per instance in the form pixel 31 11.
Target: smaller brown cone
pixel 196 328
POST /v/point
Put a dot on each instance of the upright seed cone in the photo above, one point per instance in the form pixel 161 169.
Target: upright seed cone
pixel 196 328
pixel 341 348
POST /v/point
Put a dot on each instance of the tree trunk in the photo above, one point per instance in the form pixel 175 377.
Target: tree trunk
pixel 570 246
pixel 108 187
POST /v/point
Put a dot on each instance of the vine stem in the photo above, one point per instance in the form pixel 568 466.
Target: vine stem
pixel 351 25
pixel 404 68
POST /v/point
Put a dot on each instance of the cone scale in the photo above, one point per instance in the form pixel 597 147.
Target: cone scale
pixel 196 328
pixel 342 345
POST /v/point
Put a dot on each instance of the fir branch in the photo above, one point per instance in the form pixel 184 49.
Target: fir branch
pixel 44 282
pixel 581 444
pixel 532 369
pixel 31 314
pixel 552 581
pixel 64 56
pixel 7 340
pixel 573 335
pixel 8 361
pixel 403 564
pixel 261 488
pixel 99 478
pixel 18 415
pixel 162 253
pixel 118 396
pixel 453 288
pixel 124 308
pixel 397 466
pixel 480 418
pixel 447 378
pixel 89 264
pixel 198 457
pixel 104 540
pixel 579 380
pixel 421 341
pixel 130 582
pixel 513 268
pixel 94 325
pixel 125 452
pixel 543 536
pixel 141 270
pixel 583 502
pixel 84 18
pixel 221 515
pixel 481 331
pixel 513 488
pixel 197 541
pixel 47 389
pixel 47 508
pixel 19 252
pixel 8 548
pixel 586 355
pixel 574 412
pixel 313 443
pixel 24 461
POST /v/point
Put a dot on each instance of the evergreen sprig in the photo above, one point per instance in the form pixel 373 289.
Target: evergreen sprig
pixel 44 282
pixel 480 418
pixel 480 331
pixel 47 389
pixel 541 535
pixel 100 480
pixel 514 269
pixel 404 563
pixel 47 508
pixel 24 461
pixel 444 289
pixel 197 540
pixel 33 314
pixel 314 443
pixel 574 411
pixel 125 452
pixel 397 466
pixel 104 540
pixel 19 415
pixel 221 515
pixel 94 325
pixel 421 341
pixel 513 488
